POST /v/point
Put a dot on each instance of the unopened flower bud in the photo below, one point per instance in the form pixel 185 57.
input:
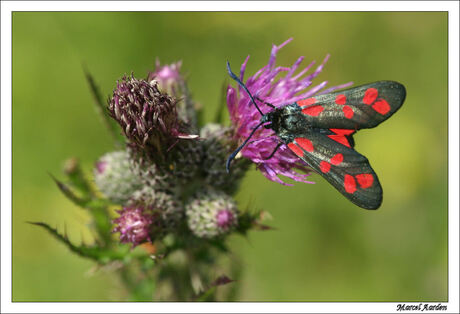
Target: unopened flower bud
pixel 115 178
pixel 147 116
pixel 170 79
pixel 71 166
pixel 211 214
pixel 167 76
pixel 217 146
pixel 133 225
pixel 166 211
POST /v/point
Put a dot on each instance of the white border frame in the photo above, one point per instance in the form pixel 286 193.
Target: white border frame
pixel 265 307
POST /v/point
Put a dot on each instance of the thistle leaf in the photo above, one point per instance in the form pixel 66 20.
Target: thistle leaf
pixel 222 280
pixel 99 254
pixel 248 220
pixel 102 109
pixel 84 251
pixel 219 117
pixel 70 194
pixel 76 176
pixel 102 224
pixel 208 295
pixel 220 245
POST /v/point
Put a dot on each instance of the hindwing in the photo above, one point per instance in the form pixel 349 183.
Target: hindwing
pixel 342 166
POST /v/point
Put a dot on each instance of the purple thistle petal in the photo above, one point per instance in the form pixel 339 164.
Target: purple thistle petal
pixel 231 100
pixel 275 50
pixel 331 89
pixel 301 73
pixel 243 68
pixel 294 67
pixel 279 92
pixel 100 166
pixel 225 218
pixel 316 89
pixel 133 225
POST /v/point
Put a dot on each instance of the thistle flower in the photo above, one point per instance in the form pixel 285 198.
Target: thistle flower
pixel 211 213
pixel 148 215
pixel 170 79
pixel 217 144
pixel 167 76
pixel 147 116
pixel 115 178
pixel 277 91
pixel 133 225
pixel 164 209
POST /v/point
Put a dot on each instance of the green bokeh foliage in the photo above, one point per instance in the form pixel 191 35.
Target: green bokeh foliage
pixel 324 248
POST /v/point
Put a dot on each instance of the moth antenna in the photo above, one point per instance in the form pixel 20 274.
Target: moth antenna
pixel 233 155
pixel 233 76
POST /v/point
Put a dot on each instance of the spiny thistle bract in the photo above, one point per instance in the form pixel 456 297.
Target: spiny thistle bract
pixel 211 213
pixel 165 209
pixel 217 142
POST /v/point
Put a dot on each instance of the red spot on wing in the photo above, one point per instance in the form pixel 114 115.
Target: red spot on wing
pixel 342 131
pixel 370 95
pixel 349 184
pixel 296 149
pixel 306 102
pixel 337 159
pixel 365 180
pixel 340 139
pixel 340 99
pixel 325 166
pixel 313 110
pixel 305 143
pixel 381 106
pixel 348 112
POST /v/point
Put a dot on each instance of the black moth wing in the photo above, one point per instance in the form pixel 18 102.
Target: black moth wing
pixel 347 170
pixel 356 108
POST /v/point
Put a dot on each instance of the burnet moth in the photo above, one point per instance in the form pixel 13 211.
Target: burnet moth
pixel 319 130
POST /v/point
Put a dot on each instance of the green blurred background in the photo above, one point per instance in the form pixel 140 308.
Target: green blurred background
pixel 324 248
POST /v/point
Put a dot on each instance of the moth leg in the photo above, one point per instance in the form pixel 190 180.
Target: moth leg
pixel 261 100
pixel 274 151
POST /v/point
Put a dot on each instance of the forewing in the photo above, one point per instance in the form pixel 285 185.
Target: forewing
pixel 346 169
pixel 356 108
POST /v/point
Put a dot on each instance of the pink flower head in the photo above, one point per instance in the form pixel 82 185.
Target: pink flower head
pixel 278 91
pixel 225 218
pixel 100 166
pixel 168 76
pixel 133 225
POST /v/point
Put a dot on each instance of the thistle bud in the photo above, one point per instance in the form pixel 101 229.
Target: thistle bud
pixel 186 160
pixel 165 210
pixel 211 214
pixel 217 145
pixel 71 166
pixel 146 115
pixel 115 178
pixel 169 79
pixel 167 76
pixel 133 225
